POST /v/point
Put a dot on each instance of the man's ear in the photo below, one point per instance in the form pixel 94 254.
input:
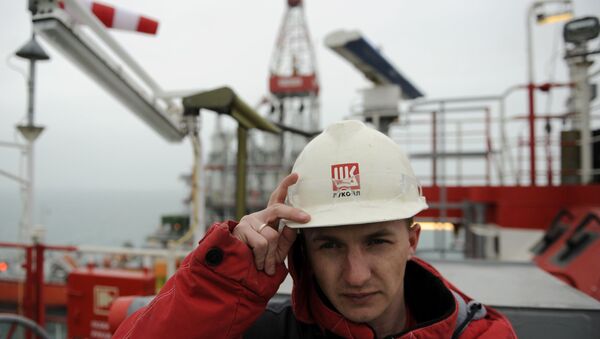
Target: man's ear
pixel 414 232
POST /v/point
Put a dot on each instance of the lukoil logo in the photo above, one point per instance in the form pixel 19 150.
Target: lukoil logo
pixel 345 179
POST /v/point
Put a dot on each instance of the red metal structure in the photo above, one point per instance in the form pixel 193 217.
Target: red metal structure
pixel 91 294
pixel 492 196
pixel 527 207
pixel 293 66
pixel 35 292
pixel 87 296
pixel 294 85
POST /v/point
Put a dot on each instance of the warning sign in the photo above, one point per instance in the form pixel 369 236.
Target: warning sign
pixel 103 298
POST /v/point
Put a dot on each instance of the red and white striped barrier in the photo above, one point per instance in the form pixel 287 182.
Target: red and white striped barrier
pixel 118 18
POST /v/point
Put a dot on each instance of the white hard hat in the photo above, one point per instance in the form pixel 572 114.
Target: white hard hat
pixel 352 174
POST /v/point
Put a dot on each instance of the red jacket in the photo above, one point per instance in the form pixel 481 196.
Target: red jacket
pixel 218 293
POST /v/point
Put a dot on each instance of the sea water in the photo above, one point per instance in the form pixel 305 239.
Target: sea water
pixel 113 218
pixel 76 217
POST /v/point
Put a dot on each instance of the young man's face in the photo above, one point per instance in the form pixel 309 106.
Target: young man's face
pixel 360 268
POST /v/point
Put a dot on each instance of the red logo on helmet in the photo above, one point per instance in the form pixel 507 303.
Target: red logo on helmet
pixel 345 177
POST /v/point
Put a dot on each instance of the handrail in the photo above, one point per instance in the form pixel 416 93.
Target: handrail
pixel 25 322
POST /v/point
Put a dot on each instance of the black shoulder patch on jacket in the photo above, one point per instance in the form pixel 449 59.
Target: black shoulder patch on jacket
pixel 279 321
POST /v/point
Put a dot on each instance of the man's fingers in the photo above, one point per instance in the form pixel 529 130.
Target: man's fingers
pixel 285 242
pixel 261 239
pixel 268 245
pixel 278 196
pixel 272 237
pixel 280 211
pixel 259 246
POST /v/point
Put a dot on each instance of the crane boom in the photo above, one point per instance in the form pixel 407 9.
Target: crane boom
pixel 353 47
pixel 120 75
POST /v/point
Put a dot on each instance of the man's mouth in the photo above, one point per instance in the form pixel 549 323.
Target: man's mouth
pixel 359 298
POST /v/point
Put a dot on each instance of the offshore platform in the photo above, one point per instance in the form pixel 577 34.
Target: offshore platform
pixel 292 104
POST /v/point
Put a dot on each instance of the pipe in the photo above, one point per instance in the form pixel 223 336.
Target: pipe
pixel 531 118
pixel 454 100
pixel 433 148
pixel 13 144
pixel 531 93
pixel 97 27
pixel 14 177
pixel 242 157
pixel 40 305
pixel 488 142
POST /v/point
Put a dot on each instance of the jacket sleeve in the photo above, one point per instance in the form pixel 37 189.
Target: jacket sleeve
pixel 217 292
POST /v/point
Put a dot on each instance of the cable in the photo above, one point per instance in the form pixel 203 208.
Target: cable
pixel 23 74
pixel 16 68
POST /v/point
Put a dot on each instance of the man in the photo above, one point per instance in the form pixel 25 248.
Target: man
pixel 343 219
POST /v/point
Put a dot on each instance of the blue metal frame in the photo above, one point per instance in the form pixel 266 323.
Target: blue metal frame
pixel 375 67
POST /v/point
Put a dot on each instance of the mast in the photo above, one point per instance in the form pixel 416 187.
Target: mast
pixel 293 82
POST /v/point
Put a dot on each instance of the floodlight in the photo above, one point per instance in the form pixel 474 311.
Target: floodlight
pixel 543 19
pixel 552 11
pixel 581 30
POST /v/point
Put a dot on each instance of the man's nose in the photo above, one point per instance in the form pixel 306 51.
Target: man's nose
pixel 357 270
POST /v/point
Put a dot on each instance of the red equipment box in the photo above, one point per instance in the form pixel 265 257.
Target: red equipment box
pixel 91 292
pixel 571 248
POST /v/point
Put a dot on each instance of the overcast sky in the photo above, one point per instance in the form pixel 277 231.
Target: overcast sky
pixel 447 48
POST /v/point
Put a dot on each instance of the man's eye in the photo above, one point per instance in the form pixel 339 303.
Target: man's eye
pixel 377 242
pixel 329 245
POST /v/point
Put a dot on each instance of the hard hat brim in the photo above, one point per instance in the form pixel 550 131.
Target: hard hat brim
pixel 356 212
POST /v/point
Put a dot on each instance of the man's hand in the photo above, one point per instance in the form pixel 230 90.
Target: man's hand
pixel 259 230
